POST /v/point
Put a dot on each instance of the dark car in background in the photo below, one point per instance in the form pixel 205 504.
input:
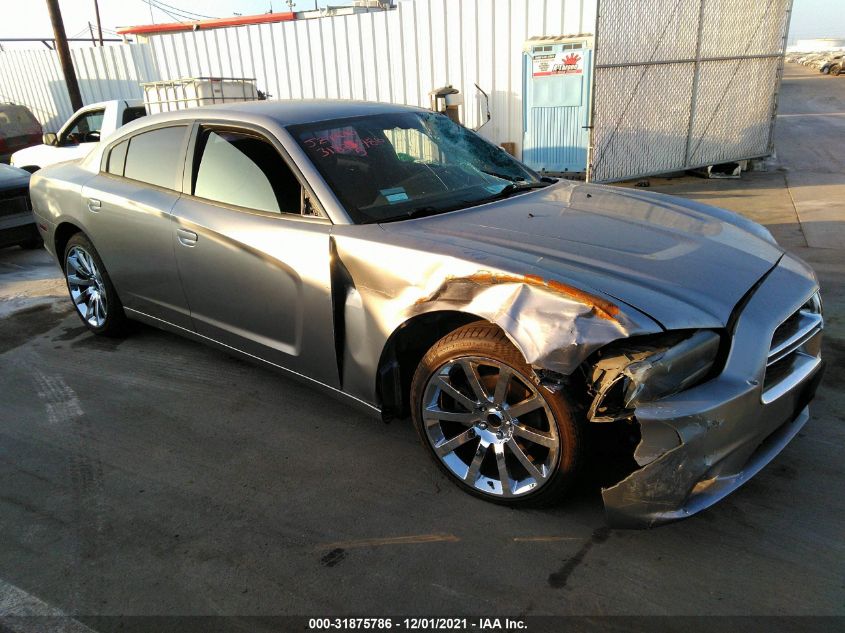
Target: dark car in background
pixel 18 129
pixel 17 226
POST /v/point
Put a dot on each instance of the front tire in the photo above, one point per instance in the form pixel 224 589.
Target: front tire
pixel 490 427
pixel 91 289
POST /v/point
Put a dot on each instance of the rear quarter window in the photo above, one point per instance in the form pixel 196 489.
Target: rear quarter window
pixel 117 158
pixel 156 157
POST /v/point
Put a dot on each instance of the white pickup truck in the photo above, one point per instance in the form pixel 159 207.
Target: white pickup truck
pixel 81 133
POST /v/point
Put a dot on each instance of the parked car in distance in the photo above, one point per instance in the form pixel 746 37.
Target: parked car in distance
pixel 17 225
pixel 18 129
pixel 80 133
pixel 401 262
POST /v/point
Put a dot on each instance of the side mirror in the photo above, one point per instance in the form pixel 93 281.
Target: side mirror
pixel 50 138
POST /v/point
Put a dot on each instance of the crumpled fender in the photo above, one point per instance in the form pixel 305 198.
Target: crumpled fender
pixel 554 325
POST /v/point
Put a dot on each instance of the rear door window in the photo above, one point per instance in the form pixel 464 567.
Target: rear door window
pixel 156 157
pixel 245 170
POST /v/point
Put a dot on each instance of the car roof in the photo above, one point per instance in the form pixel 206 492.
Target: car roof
pixel 285 112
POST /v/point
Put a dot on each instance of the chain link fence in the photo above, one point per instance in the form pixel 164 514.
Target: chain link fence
pixel 681 84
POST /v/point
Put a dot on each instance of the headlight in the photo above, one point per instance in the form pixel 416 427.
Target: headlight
pixel 648 369
pixel 677 368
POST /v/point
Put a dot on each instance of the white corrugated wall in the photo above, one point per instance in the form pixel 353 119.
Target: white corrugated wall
pixel 34 78
pixel 395 56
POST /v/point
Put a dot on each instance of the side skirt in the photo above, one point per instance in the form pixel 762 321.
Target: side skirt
pixel 364 407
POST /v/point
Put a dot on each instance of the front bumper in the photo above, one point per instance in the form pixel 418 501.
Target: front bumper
pixel 711 439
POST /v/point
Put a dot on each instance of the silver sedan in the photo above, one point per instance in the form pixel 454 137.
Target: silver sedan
pixel 399 261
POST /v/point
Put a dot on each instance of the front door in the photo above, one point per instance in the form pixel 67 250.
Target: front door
pixel 255 269
pixel 557 75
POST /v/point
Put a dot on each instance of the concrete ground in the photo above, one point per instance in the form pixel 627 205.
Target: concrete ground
pixel 155 476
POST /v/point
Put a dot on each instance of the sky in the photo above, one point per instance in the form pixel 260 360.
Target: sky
pixel 29 18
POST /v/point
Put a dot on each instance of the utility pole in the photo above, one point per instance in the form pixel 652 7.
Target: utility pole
pixel 91 31
pixel 64 54
pixel 99 24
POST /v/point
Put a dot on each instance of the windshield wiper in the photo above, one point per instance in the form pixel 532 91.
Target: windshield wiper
pixel 518 187
pixel 421 212
pixel 502 176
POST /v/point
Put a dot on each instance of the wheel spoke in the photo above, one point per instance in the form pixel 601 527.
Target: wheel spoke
pixel 86 265
pixel 473 379
pixel 528 405
pixel 75 263
pixel 502 383
pixel 465 402
pixel 444 448
pixel 532 469
pixel 99 312
pixel 503 468
pixel 434 415
pixel 79 281
pixel 475 465
pixel 82 297
pixel 534 436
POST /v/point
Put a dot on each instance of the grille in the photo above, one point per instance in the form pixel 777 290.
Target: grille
pixel 14 201
pixel 792 357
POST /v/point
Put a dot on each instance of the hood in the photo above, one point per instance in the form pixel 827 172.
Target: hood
pixel 12 177
pixel 684 264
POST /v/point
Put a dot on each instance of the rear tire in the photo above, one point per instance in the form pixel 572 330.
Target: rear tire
pixel 490 427
pixel 91 289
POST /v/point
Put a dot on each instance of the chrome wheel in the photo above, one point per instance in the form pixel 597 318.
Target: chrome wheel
pixel 490 426
pixel 87 289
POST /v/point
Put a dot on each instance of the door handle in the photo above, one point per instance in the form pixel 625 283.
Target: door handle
pixel 186 238
pixel 94 205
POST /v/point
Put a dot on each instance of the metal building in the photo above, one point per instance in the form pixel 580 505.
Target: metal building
pixel 613 88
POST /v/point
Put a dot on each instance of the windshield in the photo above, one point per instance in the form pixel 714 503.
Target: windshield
pixel 388 167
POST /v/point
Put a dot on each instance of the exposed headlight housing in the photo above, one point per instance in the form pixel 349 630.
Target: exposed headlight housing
pixel 647 370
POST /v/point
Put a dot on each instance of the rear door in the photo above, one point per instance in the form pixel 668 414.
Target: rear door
pixel 128 207
pixel 254 267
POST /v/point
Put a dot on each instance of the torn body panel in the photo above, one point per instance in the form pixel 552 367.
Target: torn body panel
pixel 554 325
pixel 701 443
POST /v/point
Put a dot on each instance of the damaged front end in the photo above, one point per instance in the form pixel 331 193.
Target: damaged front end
pixel 624 375
pixel 710 409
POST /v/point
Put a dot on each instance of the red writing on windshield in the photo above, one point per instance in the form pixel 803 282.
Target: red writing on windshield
pixel 343 141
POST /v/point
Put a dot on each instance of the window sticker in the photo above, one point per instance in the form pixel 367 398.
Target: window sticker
pixel 394 195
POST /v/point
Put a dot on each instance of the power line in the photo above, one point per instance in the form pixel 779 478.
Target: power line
pixel 170 10
pixel 170 6
pixel 165 11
